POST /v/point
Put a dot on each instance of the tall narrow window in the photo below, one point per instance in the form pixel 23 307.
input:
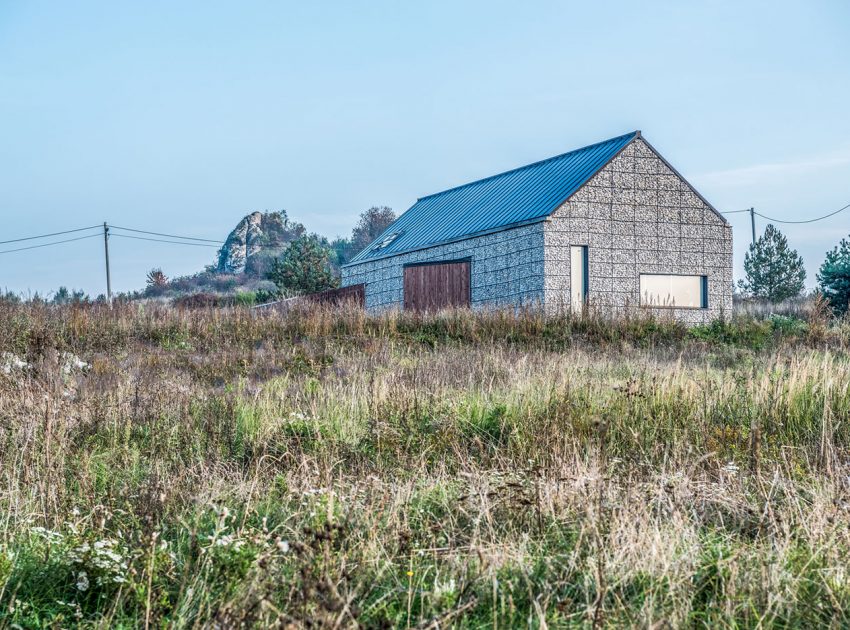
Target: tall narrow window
pixel 578 277
pixel 673 290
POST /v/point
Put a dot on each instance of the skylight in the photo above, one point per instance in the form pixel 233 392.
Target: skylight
pixel 384 243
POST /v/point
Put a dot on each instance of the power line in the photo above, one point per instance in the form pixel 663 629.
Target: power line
pixel 734 211
pixel 826 216
pixel 188 238
pixel 159 240
pixel 67 240
pixel 32 238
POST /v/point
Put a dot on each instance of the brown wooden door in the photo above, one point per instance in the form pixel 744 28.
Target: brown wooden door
pixel 438 285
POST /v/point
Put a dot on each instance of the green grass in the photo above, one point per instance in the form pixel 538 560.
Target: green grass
pixel 215 467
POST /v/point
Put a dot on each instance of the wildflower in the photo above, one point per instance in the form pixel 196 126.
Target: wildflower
pixel 48 534
pixel 442 589
pixel 82 581
pixel 410 574
pixel 10 362
pixel 282 545
pixel 71 362
pixel 228 540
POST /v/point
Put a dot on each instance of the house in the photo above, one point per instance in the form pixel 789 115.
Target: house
pixel 612 224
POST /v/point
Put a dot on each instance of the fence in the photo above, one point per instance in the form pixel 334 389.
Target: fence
pixel 354 294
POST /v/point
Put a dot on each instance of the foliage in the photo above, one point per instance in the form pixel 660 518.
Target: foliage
pixel 64 296
pixel 774 272
pixel 303 268
pixel 156 278
pixel 834 277
pixel 371 224
pixel 9 297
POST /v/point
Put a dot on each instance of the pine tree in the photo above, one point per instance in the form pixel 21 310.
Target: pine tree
pixel 834 277
pixel 303 268
pixel 774 271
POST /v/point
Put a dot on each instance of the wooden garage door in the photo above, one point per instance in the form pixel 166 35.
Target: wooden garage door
pixel 434 286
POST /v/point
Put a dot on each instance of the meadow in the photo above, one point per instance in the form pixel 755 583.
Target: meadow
pixel 323 468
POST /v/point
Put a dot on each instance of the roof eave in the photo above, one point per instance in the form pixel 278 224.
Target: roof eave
pixel 635 135
pixel 465 237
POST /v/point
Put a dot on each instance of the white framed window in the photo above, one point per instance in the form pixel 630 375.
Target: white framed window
pixel 673 290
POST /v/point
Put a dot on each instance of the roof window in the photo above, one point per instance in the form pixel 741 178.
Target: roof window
pixel 386 241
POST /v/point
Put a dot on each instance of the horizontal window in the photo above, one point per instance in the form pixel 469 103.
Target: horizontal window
pixel 673 291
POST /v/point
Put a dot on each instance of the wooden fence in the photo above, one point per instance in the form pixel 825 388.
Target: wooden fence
pixel 354 294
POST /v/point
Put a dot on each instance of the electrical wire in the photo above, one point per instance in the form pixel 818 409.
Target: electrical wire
pixel 188 238
pixel 159 240
pixel 734 211
pixel 32 238
pixel 67 240
pixel 826 216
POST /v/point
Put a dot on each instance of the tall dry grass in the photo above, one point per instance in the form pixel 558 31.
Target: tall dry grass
pixel 331 469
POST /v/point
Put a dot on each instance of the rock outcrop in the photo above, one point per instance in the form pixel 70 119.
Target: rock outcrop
pixel 257 238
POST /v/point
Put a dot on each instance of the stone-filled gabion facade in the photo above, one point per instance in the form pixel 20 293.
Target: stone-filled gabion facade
pixel 506 268
pixel 636 215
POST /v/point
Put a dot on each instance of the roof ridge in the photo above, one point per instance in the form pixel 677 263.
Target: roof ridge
pixel 636 133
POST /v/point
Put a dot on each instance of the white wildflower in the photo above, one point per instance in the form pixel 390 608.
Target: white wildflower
pixel 82 581
pixel 11 363
pixel 229 540
pixel 731 468
pixel 70 362
pixel 49 535
pixel 441 589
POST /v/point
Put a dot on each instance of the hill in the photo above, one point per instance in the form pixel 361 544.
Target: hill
pixel 241 269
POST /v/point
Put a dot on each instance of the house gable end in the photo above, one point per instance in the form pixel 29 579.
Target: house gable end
pixel 646 153
pixel 636 179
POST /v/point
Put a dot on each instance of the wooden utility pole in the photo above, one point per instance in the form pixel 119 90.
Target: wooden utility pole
pixel 753 222
pixel 106 254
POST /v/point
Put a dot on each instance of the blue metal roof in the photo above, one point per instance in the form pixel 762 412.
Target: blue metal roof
pixel 523 195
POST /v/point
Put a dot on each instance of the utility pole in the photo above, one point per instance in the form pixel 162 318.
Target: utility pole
pixel 106 253
pixel 753 222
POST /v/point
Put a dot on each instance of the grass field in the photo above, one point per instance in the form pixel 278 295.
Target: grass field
pixel 328 469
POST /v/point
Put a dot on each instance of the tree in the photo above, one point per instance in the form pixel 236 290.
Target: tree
pixel 372 222
pixel 64 296
pixel 834 277
pixel 156 278
pixel 303 268
pixel 774 271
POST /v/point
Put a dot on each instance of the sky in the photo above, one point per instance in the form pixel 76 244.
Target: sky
pixel 183 117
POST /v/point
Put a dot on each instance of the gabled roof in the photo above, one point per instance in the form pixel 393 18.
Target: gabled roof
pixel 517 197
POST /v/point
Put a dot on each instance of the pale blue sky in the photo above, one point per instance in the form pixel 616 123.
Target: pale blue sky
pixel 183 117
